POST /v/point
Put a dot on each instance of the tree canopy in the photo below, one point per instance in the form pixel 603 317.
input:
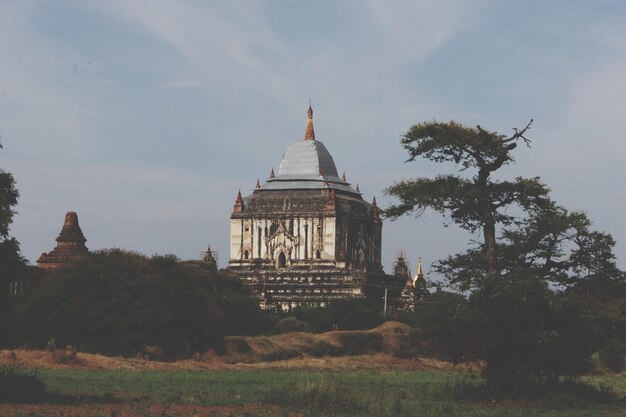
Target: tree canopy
pixel 118 302
pixel 11 262
pixel 536 299
pixel 476 203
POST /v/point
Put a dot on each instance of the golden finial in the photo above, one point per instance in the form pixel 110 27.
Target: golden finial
pixel 419 274
pixel 310 133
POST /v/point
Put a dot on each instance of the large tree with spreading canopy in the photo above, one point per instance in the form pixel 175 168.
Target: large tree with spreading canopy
pixel 537 304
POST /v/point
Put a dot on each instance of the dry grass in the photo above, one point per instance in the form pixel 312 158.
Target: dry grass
pixel 326 351
pixel 386 338
pixel 40 359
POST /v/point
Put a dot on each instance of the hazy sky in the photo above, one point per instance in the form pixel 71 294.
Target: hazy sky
pixel 146 117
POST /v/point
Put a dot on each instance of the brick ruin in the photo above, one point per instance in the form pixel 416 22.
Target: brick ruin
pixel 70 245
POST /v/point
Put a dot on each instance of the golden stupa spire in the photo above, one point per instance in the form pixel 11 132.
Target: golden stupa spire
pixel 419 274
pixel 310 133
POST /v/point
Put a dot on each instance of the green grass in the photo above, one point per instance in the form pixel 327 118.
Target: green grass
pixel 363 393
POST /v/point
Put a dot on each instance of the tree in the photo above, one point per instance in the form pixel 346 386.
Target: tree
pixel 11 262
pixel 444 319
pixel 477 203
pixel 553 244
pixel 118 302
pixel 524 315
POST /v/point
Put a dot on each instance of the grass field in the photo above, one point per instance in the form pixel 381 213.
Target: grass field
pixel 285 392
pixel 306 382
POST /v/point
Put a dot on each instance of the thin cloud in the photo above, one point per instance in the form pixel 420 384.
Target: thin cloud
pixel 182 84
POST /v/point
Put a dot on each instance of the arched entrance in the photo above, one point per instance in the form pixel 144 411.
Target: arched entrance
pixel 282 260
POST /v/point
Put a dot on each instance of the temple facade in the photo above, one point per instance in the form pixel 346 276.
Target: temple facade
pixel 306 237
pixel 70 245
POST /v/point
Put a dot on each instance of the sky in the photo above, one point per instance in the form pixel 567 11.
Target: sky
pixel 147 117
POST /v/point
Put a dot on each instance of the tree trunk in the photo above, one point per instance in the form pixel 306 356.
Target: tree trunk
pixel 489 233
pixel 489 223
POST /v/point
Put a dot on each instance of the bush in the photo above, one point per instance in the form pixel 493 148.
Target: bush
pixel 359 343
pixel 342 315
pixel 117 302
pixel 67 355
pixel 442 318
pixel 612 358
pixel 289 325
pixel 20 386
pixel 410 345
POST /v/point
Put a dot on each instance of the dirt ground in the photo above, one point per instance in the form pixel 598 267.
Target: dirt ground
pixel 136 409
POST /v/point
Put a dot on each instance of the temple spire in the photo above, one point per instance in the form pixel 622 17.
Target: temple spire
pixel 70 245
pixel 310 133
pixel 419 274
pixel 238 207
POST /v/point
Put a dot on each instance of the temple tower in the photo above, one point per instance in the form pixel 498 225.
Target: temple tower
pixel 70 245
pixel 415 289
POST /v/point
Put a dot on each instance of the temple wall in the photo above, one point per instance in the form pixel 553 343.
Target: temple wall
pixel 330 225
pixel 300 238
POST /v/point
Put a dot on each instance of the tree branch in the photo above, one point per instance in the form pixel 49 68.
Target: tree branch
pixel 519 134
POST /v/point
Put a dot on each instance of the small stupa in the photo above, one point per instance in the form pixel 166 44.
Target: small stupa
pixel 210 257
pixel 70 245
pixel 415 289
pixel 401 270
pixel 419 283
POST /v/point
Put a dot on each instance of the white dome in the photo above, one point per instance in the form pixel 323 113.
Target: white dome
pixel 305 159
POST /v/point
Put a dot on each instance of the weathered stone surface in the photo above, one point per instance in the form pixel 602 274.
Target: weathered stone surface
pixel 70 245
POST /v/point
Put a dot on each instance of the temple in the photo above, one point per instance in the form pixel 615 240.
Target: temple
pixel 70 245
pixel 415 289
pixel 305 237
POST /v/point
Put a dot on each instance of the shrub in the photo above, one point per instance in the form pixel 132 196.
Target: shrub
pixel 20 386
pixel 154 353
pixel 280 355
pixel 289 325
pixel 612 358
pixel 360 343
pixel 67 355
pixel 116 302
pixel 342 315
